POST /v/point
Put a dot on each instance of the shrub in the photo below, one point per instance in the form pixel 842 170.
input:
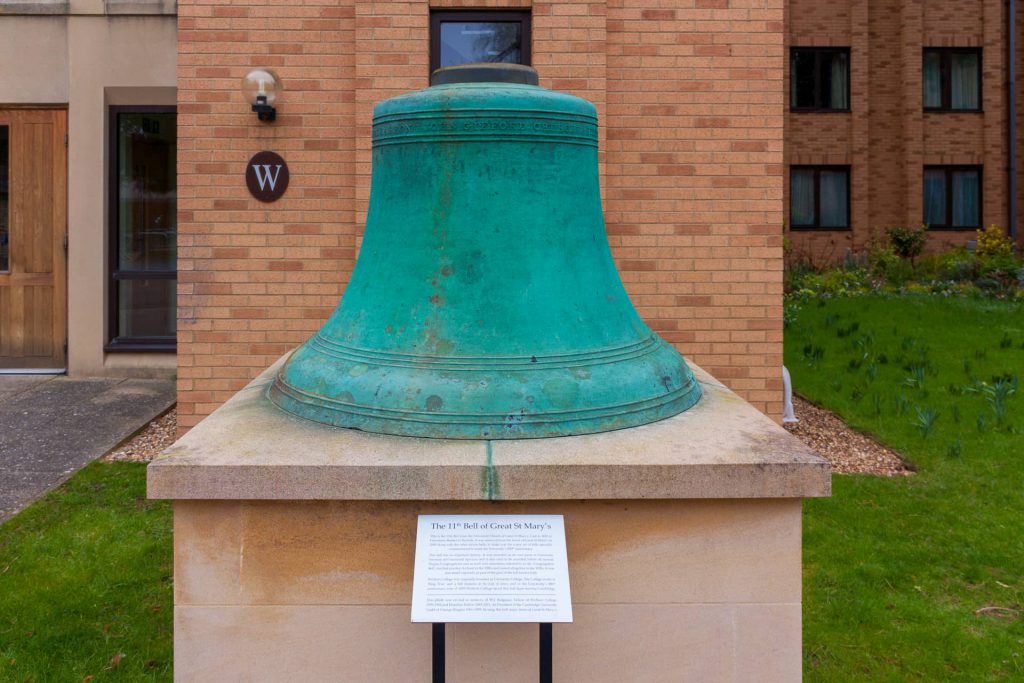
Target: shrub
pixel 959 265
pixel 907 243
pixel 883 261
pixel 991 271
pixel 993 243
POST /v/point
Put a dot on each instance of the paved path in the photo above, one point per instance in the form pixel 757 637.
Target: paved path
pixel 50 427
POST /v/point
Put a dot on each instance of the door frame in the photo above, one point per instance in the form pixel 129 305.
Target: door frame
pixel 10 116
pixel 114 342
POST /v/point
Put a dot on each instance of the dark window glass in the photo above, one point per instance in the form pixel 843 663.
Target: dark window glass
pixel 820 79
pixel 935 197
pixel 951 79
pixel 952 197
pixel 966 197
pixel 819 197
pixel 805 79
pixel 801 197
pixel 834 209
pixel 145 308
pixel 147 194
pixel 965 80
pixel 144 228
pixel 5 230
pixel 472 42
pixel 468 37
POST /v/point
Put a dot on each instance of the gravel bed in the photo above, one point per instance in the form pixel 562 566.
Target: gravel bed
pixel 849 451
pixel 147 444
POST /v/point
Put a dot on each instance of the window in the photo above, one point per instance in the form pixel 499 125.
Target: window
pixel 819 197
pixel 458 37
pixel 952 79
pixel 952 197
pixel 819 79
pixel 143 228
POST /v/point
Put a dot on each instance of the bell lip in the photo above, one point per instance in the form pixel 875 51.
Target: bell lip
pixel 548 424
pixel 485 72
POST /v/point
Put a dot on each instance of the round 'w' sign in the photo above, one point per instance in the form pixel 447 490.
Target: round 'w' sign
pixel 267 176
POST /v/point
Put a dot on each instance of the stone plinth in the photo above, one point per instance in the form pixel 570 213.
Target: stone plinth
pixel 294 546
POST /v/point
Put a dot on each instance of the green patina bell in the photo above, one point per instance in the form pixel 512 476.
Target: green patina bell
pixel 485 303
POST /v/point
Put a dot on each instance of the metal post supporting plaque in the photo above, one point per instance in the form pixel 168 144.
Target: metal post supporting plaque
pixel 437 653
pixel 516 566
pixel 546 651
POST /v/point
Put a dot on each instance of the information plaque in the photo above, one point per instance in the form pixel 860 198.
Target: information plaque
pixel 491 568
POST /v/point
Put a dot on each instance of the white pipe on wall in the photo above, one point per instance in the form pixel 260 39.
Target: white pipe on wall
pixel 787 399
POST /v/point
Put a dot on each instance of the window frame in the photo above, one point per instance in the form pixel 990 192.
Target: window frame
pixel 817 168
pixel 5 267
pixel 437 16
pixel 946 79
pixel 818 51
pixel 116 343
pixel 949 169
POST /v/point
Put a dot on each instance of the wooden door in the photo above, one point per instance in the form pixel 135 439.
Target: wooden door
pixel 33 224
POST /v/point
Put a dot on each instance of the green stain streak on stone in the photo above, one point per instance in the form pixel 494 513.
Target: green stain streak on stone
pixel 491 489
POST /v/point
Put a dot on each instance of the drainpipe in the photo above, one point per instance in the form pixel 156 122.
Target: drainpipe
pixel 787 397
pixel 1011 108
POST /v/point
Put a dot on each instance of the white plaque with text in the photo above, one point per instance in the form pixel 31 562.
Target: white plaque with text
pixel 491 568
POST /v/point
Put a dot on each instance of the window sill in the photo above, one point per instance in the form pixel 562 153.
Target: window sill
pixel 793 110
pixel 814 228
pixel 161 345
pixel 950 228
pixel 953 111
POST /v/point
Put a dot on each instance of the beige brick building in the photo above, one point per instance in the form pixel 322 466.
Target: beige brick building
pixel 690 101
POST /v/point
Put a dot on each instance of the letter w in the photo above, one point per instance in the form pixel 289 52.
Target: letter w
pixel 264 177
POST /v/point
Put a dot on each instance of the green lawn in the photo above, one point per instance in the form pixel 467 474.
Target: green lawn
pixel 897 569
pixel 85 582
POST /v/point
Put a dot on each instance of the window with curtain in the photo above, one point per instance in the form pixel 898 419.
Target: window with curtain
pixel 819 197
pixel 819 79
pixel 951 79
pixel 952 197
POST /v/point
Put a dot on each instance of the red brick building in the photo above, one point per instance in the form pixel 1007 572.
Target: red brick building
pixel 907 103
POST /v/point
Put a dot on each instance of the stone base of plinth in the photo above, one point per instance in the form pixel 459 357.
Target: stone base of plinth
pixel 294 546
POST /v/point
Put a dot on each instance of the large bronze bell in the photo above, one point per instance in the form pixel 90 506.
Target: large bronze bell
pixel 485 303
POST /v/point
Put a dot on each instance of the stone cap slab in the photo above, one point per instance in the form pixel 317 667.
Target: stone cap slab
pixel 89 7
pixel 249 449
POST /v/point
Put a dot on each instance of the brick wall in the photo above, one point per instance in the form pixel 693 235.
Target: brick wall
pixel 694 180
pixel 691 105
pixel 886 138
pixel 253 278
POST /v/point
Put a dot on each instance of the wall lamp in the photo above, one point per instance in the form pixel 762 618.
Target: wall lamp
pixel 260 87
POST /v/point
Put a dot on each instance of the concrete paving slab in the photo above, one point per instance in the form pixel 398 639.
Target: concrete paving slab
pixel 12 385
pixel 51 428
pixel 19 488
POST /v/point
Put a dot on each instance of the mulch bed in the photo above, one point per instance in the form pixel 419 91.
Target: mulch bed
pixel 849 451
pixel 147 444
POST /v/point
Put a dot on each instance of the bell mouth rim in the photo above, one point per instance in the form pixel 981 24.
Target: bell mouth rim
pixel 496 426
pixel 495 73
